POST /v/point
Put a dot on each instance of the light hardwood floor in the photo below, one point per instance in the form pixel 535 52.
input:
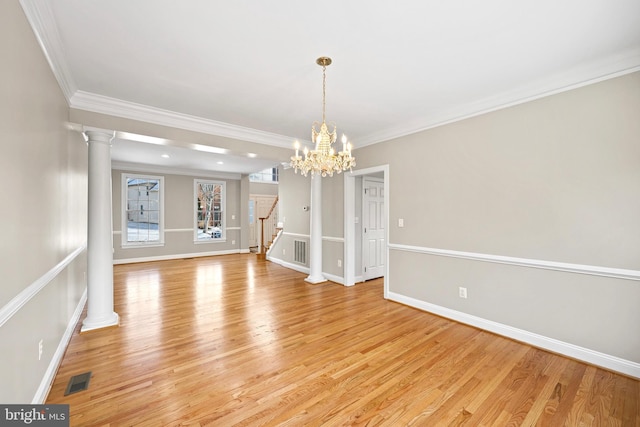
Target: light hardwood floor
pixel 235 340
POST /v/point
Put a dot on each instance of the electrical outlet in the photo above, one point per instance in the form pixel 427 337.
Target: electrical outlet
pixel 400 222
pixel 284 252
pixel 462 292
pixel 233 242
pixel 40 349
pixel 339 263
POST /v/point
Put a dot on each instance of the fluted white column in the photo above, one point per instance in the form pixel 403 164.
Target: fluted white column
pixel 315 244
pixel 100 312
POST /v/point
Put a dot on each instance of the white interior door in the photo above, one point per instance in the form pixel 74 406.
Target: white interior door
pixel 373 223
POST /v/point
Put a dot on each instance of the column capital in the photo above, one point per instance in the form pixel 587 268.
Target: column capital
pixel 98 135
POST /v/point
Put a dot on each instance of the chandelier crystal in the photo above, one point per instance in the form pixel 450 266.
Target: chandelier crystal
pixel 323 160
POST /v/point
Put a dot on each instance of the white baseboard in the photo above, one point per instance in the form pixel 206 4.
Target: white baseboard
pixel 177 256
pixel 50 374
pixel 593 357
pixel 296 267
pixel 303 269
pixel 334 278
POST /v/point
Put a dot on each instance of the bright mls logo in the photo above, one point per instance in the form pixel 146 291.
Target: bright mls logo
pixel 36 415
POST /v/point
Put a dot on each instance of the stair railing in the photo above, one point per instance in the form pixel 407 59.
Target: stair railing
pixel 268 226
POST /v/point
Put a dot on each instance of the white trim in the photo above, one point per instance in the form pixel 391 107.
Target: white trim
pixel 613 363
pixel 42 21
pixel 273 244
pixel 210 241
pixel 296 267
pixel 616 273
pixel 333 239
pixel 223 208
pixel 327 238
pixel 19 301
pixel 139 245
pixel 40 17
pixel 349 223
pixel 175 256
pixel 181 230
pixel 334 278
pixel 257 181
pixel 115 107
pixel 303 269
pixel 286 233
pixel 50 375
pixel 124 190
pixel 139 167
pixel 620 65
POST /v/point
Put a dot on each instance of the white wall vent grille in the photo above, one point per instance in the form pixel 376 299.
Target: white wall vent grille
pixel 300 251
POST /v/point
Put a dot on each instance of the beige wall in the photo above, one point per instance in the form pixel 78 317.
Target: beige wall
pixel 293 194
pixel 556 179
pixel 178 223
pixel 43 171
pixel 263 188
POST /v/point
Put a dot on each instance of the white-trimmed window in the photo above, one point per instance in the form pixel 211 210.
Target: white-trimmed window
pixel 142 210
pixel 209 216
pixel 268 175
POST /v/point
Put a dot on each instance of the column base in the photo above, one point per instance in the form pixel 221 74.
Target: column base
pixel 316 279
pixel 92 325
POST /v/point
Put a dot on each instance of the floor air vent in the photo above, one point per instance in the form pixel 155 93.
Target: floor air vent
pixel 300 251
pixel 78 383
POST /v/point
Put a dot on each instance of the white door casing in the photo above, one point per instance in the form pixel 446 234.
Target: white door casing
pixel 373 229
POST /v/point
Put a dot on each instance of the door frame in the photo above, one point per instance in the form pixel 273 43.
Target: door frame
pixel 349 223
pixel 363 222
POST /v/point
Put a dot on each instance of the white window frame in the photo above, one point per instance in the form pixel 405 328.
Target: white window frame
pixel 124 212
pixel 223 208
pixel 263 174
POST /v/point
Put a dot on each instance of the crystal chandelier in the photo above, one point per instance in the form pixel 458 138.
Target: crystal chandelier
pixel 323 160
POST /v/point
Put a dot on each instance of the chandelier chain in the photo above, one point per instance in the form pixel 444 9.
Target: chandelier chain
pixel 324 91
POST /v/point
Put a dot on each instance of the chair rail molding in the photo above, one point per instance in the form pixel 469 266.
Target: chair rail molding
pixel 616 273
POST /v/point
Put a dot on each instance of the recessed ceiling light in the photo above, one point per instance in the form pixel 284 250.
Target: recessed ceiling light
pixel 166 156
pixel 252 155
pixel 209 149
pixel 142 138
pixel 220 163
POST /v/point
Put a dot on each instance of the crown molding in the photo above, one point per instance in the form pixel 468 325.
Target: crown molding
pixel 615 66
pixel 115 107
pixel 144 168
pixel 41 19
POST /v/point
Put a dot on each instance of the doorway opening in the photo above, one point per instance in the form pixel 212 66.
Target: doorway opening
pixel 354 226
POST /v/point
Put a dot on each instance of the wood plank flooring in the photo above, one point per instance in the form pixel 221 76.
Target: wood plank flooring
pixel 236 340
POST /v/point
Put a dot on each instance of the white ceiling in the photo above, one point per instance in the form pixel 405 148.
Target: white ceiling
pixel 246 68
